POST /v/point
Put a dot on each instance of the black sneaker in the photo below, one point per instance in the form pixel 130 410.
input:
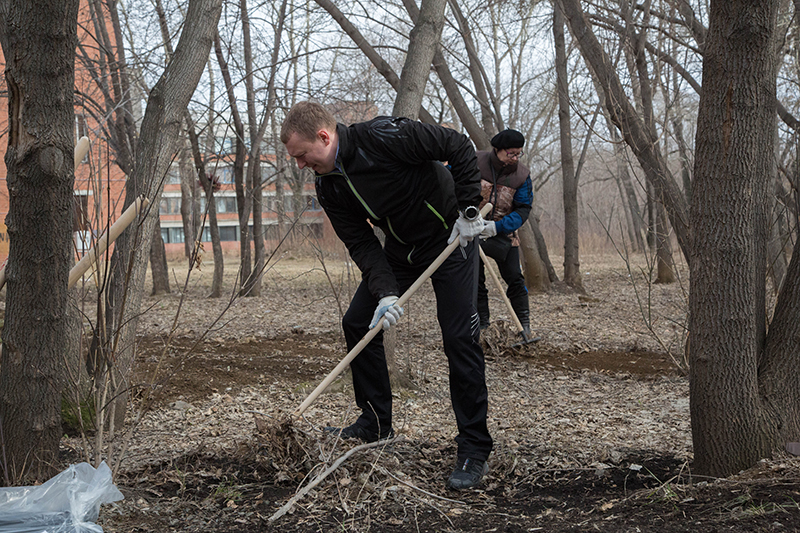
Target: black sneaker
pixel 468 474
pixel 355 431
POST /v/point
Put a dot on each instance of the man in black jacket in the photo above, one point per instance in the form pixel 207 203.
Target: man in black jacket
pixel 388 173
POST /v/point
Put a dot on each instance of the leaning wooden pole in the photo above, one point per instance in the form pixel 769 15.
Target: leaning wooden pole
pixel 105 241
pixel 102 245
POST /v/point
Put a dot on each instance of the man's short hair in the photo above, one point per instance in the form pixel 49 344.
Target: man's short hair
pixel 306 119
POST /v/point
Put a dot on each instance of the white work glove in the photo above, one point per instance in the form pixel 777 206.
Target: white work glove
pixel 466 229
pixel 489 230
pixel 387 310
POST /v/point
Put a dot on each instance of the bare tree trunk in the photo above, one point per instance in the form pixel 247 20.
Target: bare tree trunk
pixel 541 248
pixel 259 249
pixel 189 207
pixel 629 223
pixel 159 132
pixel 476 73
pixel 158 262
pixel 630 192
pixel 451 87
pixel 661 233
pixel 417 67
pixel 253 286
pixel 665 272
pixel 623 177
pixel 536 276
pixel 280 198
pixel 572 268
pixel 777 245
pixel 778 235
pixel 633 129
pixel 208 190
pixel 242 183
pixel 744 386
pixel 650 210
pixel 423 39
pixel 677 130
pixel 380 64
pixel 38 42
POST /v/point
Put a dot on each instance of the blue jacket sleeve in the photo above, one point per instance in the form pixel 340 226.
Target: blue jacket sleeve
pixel 523 202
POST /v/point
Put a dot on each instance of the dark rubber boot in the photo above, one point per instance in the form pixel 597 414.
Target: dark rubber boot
pixel 519 302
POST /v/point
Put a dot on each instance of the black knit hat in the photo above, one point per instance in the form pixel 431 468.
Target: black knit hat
pixel 508 139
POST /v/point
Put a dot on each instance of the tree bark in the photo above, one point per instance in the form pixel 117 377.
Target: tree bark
pixel 39 41
pixel 159 132
pixel 213 227
pixel 572 267
pixel 451 87
pixel 242 182
pixel 536 275
pixel 189 204
pixel 744 394
pixel 158 262
pixel 665 273
pixel 421 47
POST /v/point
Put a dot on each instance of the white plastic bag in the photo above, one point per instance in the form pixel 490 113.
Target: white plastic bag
pixel 67 503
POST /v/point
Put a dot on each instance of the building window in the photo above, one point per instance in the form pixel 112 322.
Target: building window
pixel 80 126
pixel 313 203
pixel 226 233
pixel 170 205
pixel 173 175
pixel 225 174
pixel 226 204
pixel 81 221
pixel 172 235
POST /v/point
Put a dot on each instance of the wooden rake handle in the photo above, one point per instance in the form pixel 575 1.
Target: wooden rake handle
pixel 374 331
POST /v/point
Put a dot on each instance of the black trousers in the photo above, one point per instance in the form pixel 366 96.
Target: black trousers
pixel 455 286
pixel 508 264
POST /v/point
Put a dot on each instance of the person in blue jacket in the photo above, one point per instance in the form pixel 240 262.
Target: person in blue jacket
pixel 506 183
pixel 387 172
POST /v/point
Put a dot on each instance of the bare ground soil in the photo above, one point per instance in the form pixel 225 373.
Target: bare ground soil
pixel 591 423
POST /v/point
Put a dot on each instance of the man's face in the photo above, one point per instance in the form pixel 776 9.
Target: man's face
pixel 318 154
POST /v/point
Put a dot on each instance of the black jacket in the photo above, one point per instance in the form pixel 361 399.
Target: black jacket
pixel 389 171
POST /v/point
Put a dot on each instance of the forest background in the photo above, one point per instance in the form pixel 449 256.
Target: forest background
pixel 665 128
